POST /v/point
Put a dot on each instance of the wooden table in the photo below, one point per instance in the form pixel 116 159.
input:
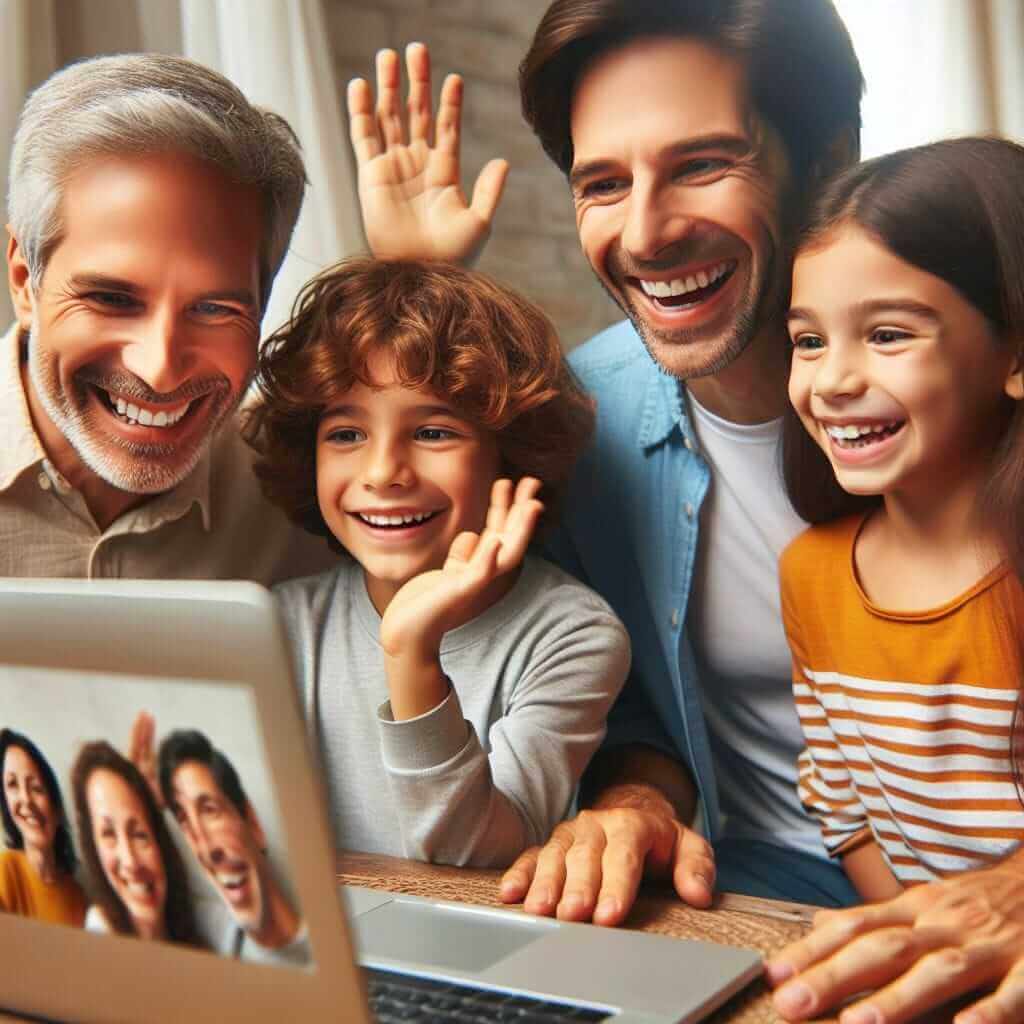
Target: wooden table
pixel 764 925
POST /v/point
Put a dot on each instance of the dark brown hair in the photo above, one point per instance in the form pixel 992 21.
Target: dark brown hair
pixel 803 74
pixel 485 349
pixel 63 849
pixel 178 917
pixel 954 209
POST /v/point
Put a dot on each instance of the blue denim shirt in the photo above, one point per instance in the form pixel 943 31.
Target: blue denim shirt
pixel 629 530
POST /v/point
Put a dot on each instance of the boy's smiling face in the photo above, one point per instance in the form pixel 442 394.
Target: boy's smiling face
pixel 399 474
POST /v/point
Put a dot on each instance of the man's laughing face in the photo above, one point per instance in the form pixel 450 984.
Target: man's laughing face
pixel 677 187
pixel 228 843
pixel 144 327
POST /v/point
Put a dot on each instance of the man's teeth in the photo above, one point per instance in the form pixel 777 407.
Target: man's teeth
pixel 683 286
pixel 139 888
pixel 230 881
pixel 852 431
pixel 408 520
pixel 164 418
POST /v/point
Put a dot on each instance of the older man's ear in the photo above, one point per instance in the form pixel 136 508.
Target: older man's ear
pixel 19 281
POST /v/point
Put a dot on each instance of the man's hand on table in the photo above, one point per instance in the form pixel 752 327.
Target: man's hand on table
pixel 931 944
pixel 591 867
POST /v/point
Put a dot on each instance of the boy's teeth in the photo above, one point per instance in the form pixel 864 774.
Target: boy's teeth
pixel 394 520
pixel 683 286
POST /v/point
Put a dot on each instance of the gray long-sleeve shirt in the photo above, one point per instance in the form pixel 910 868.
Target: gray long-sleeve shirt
pixel 492 768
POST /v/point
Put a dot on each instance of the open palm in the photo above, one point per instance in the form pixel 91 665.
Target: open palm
pixel 409 183
pixel 439 600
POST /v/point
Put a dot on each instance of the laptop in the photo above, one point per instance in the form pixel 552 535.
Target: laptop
pixel 235 881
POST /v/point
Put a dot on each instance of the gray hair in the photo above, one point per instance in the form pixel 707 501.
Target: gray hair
pixel 143 103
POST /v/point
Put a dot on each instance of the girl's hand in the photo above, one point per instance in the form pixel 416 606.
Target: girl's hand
pixel 431 604
pixel 412 202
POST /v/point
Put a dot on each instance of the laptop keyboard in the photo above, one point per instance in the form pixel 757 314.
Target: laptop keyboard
pixel 401 998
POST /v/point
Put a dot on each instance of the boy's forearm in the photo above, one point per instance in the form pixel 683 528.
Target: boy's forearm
pixel 416 683
pixel 640 777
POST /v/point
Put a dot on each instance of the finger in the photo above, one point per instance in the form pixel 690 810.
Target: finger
pixel 832 930
pixel 527 489
pixel 449 119
pixel 501 501
pixel 417 67
pixel 549 877
pixel 462 549
pixel 1004 1006
pixel 389 120
pixel 515 883
pixel 140 743
pixel 866 963
pixel 693 874
pixel 487 191
pixel 582 874
pixel 933 980
pixel 515 538
pixel 362 124
pixel 629 842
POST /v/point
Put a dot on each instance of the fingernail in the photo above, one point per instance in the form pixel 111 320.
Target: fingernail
pixel 795 997
pixel 542 899
pixel 703 881
pixel 777 973
pixel 971 1017
pixel 861 1015
pixel 571 905
pixel 608 907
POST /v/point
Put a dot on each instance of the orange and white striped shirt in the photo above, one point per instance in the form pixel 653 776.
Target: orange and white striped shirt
pixel 907 715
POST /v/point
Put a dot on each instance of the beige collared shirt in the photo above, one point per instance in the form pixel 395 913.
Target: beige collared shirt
pixel 214 525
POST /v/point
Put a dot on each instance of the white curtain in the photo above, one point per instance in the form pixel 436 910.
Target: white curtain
pixel 937 68
pixel 278 54
pixel 276 51
pixel 28 53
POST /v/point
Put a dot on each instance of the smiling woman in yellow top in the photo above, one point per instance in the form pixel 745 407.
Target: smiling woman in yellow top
pixel 37 869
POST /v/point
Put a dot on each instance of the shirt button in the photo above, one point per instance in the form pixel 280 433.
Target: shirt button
pixel 44 481
pixel 687 444
pixel 675 618
pixel 688 509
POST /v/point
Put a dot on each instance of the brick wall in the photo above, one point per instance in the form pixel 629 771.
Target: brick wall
pixel 534 246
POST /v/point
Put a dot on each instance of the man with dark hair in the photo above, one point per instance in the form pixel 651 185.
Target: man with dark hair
pixel 202 789
pixel 686 212
pixel 692 133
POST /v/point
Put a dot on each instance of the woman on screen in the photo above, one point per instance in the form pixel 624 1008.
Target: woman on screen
pixel 135 870
pixel 37 869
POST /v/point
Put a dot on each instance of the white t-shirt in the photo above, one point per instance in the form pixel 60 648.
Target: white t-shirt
pixel 735 626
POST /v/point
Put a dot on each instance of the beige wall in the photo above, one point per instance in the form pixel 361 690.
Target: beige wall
pixel 534 246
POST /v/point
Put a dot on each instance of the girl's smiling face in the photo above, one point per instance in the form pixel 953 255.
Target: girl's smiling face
pixel 399 474
pixel 897 377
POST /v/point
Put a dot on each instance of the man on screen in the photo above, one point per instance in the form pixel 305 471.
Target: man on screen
pixel 202 789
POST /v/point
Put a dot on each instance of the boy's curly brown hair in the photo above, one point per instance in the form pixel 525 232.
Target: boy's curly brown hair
pixel 485 349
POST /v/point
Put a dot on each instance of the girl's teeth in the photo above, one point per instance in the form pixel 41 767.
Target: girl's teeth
pixel 406 520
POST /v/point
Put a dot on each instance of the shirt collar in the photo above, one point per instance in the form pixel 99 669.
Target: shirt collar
pixel 20 448
pixel 664 409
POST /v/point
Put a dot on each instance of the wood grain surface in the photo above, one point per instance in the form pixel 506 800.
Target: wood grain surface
pixel 764 925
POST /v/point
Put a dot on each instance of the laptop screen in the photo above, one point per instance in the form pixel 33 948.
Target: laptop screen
pixel 144 807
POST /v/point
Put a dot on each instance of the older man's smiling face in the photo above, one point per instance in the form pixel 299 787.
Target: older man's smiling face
pixel 677 189
pixel 143 330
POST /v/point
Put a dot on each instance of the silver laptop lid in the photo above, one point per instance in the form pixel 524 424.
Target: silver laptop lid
pixel 235 879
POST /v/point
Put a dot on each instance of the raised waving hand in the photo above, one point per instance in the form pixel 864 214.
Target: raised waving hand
pixel 439 600
pixel 408 168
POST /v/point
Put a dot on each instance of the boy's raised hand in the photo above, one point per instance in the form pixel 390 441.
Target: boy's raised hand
pixel 409 187
pixel 431 604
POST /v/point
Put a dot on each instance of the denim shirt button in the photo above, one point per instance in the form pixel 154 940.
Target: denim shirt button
pixel 675 618
pixel 688 509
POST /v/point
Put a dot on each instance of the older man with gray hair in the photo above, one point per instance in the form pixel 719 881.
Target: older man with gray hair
pixel 150 206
